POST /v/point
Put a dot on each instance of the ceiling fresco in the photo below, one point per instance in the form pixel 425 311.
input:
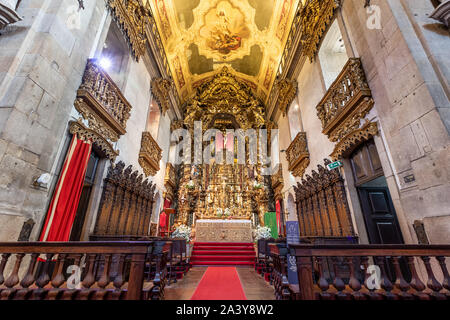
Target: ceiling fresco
pixel 200 37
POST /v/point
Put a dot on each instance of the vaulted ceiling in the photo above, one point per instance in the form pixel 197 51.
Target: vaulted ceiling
pixel 200 37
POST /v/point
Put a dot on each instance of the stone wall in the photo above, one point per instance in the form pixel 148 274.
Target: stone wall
pixel 407 72
pixel 42 59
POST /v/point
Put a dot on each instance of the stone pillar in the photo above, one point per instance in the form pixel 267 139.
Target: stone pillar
pixel 41 70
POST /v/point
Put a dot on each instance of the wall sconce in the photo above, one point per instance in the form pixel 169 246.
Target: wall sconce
pixel 42 181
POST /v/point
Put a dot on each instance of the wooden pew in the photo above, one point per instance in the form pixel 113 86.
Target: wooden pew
pixel 407 272
pixel 108 270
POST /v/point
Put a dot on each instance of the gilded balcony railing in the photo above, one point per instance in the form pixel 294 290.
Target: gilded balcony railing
pixel 346 102
pixel 278 182
pixel 102 103
pixel 132 17
pixel 150 154
pixel 298 155
pixel 170 181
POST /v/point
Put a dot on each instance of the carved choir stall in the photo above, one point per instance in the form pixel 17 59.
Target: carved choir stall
pixel 322 206
pixel 126 203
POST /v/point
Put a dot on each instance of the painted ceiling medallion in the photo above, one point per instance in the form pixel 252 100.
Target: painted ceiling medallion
pixel 225 33
pixel 201 37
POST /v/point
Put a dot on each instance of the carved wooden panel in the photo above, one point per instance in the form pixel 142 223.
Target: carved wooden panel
pixel 297 155
pixel 322 206
pixel 126 204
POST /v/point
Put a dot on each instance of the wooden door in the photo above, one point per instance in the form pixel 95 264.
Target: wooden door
pixel 376 203
pixel 379 214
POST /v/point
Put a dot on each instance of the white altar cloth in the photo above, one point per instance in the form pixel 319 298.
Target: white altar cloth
pixel 223 231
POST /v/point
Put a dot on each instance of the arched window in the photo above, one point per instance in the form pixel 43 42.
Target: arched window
pixel 295 125
pixel 332 54
pixel 115 55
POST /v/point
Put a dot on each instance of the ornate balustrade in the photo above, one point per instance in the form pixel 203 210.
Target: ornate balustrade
pixel 107 270
pixel 315 18
pixel 298 155
pixel 170 180
pixel 150 154
pixel 126 204
pixel 8 15
pixel 278 182
pixel 132 17
pixel 344 106
pixel 102 104
pixel 442 11
pixel 343 272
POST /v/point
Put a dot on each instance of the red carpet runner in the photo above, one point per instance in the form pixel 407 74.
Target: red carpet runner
pixel 220 283
pixel 223 254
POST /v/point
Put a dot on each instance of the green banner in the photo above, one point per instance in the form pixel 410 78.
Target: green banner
pixel 270 220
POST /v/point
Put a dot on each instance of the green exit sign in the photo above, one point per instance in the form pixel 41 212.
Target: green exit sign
pixel 335 165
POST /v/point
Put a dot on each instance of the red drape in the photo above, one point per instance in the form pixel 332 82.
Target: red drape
pixel 278 211
pixel 163 224
pixel 64 205
pixel 167 203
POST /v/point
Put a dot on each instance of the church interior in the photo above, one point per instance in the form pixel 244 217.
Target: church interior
pixel 224 150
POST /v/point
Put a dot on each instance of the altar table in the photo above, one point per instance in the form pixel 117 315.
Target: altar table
pixel 223 231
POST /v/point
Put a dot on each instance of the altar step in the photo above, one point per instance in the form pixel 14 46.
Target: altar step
pixel 219 253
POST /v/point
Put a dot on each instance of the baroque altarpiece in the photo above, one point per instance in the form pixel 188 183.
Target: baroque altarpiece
pixel 224 189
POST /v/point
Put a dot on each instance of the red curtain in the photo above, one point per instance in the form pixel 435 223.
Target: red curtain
pixel 64 205
pixel 167 203
pixel 278 210
pixel 163 224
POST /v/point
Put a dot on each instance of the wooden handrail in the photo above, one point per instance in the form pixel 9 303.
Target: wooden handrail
pixel 112 270
pixel 345 271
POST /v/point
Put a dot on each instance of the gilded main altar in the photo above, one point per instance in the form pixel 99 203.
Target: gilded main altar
pixel 224 189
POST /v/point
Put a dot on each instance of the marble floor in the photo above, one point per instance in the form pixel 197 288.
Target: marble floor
pixel 254 286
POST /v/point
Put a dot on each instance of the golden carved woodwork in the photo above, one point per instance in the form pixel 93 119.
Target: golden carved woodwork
pixel 316 17
pixel 176 124
pixel 278 182
pixel 161 89
pixel 126 204
pixel 101 103
pixel 150 154
pixel 132 18
pixel 355 138
pixel 225 94
pixel 344 106
pixel 297 155
pixel 77 127
pixel 322 206
pixel 287 91
pixel 170 181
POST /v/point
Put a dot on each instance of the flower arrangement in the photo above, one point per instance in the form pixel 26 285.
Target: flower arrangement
pixel 262 233
pixel 190 185
pixel 257 185
pixel 182 231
